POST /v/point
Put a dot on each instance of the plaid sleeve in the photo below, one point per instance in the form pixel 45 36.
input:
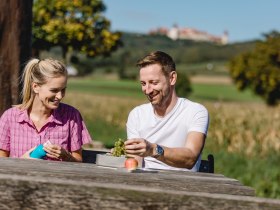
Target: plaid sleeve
pixel 79 132
pixel 5 131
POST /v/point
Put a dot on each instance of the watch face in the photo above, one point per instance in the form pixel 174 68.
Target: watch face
pixel 160 150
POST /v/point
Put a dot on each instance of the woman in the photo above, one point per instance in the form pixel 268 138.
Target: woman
pixel 42 117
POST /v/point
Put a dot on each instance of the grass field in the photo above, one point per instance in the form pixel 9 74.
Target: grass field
pixel 201 92
pixel 106 87
pixel 222 93
pixel 244 133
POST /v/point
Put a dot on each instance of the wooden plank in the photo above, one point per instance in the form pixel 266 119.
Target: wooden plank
pixel 165 180
pixel 28 192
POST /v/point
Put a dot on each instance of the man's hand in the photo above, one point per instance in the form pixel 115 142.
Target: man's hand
pixel 138 147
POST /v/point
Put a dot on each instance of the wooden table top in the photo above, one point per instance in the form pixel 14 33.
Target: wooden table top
pixel 92 186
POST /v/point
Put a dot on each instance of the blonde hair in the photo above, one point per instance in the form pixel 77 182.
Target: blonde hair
pixel 38 71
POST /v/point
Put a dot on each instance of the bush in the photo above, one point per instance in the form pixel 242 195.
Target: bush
pixel 183 85
pixel 259 69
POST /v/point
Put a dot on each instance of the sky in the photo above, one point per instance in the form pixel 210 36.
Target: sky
pixel 244 20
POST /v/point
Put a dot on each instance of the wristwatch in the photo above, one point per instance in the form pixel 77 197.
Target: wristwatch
pixel 159 151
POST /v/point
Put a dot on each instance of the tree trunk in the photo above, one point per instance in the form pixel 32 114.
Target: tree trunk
pixel 15 48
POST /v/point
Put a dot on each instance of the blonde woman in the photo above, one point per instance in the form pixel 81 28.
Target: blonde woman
pixel 42 117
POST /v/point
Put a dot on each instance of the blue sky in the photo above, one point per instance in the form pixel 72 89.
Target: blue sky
pixel 243 19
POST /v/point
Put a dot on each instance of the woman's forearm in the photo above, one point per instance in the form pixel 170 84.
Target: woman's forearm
pixel 4 153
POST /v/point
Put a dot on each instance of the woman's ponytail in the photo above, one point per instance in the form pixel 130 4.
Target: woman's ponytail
pixel 27 94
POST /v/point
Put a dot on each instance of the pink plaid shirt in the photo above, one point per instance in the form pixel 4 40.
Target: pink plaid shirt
pixel 65 127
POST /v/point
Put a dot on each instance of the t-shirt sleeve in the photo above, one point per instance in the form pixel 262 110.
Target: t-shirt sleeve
pixel 79 132
pixel 132 124
pixel 5 131
pixel 200 120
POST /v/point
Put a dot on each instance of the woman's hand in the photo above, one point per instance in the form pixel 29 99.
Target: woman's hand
pixel 4 153
pixel 27 154
pixel 57 152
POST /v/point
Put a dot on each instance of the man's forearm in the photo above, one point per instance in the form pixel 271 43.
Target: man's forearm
pixel 178 157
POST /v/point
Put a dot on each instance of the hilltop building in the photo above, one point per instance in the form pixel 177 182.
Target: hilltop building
pixel 191 34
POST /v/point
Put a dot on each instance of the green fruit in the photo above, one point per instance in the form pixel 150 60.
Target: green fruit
pixel 119 149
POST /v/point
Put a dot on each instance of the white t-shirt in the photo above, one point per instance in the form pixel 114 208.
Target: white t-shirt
pixel 170 130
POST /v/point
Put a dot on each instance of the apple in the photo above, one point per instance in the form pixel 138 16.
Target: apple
pixel 131 163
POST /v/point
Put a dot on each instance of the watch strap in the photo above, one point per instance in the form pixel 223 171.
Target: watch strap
pixel 159 151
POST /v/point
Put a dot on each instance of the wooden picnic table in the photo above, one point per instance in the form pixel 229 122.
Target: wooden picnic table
pixel 40 184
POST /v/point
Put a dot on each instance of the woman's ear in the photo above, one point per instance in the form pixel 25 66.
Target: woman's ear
pixel 173 77
pixel 35 87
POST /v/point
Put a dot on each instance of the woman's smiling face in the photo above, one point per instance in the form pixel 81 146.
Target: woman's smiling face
pixel 51 93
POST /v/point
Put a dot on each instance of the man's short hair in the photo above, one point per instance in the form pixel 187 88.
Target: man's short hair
pixel 158 57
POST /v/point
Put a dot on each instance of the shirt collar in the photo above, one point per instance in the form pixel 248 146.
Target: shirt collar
pixel 55 117
pixel 23 116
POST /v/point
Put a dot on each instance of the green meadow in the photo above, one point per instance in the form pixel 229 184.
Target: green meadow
pixel 221 92
pixel 128 88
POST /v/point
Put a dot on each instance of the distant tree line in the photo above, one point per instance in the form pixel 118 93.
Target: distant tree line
pixel 136 46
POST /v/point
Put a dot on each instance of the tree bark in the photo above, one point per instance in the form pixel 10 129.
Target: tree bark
pixel 15 48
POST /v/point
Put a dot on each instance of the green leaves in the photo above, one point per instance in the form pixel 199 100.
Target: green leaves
pixel 183 85
pixel 78 25
pixel 259 69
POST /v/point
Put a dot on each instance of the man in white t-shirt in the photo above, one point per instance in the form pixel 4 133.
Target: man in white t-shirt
pixel 169 132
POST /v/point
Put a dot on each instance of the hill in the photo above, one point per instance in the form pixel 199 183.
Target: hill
pixel 184 52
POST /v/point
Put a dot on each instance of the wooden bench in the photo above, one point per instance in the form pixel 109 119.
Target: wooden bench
pixel 206 166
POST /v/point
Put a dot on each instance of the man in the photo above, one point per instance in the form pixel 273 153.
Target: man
pixel 169 132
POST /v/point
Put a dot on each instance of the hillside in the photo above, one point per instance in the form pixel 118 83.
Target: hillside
pixel 196 55
pixel 184 51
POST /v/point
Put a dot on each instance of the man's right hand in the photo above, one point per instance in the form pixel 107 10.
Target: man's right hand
pixel 138 147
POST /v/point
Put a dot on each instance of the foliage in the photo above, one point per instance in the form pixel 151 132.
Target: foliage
pixel 259 69
pixel 250 171
pixel 183 85
pixel 119 149
pixel 76 25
